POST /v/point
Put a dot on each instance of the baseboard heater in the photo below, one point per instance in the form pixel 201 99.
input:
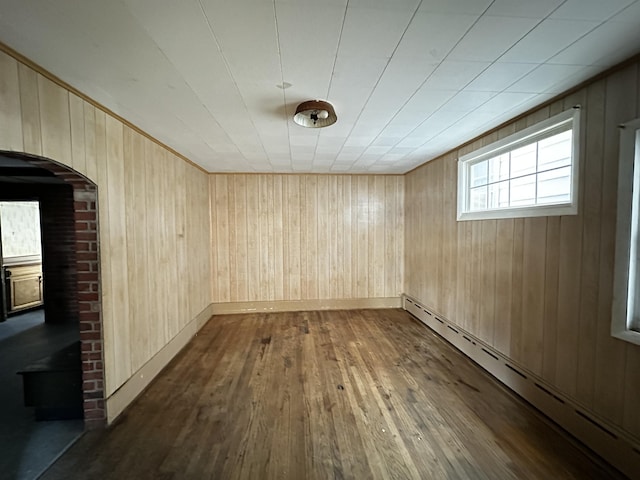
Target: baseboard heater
pixel 608 441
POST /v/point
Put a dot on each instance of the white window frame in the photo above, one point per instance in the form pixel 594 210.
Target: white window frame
pixel 626 274
pixel 519 139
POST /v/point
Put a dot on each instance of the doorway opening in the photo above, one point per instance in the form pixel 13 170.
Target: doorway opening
pixel 72 258
pixel 71 266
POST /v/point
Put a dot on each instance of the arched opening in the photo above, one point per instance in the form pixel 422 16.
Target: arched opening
pixel 74 261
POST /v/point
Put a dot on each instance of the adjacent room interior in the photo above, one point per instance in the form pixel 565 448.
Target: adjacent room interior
pixel 454 189
pixel 34 434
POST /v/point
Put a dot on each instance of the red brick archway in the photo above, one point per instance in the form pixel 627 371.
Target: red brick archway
pixel 85 240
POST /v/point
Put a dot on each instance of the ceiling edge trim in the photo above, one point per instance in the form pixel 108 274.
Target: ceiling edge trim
pixel 61 83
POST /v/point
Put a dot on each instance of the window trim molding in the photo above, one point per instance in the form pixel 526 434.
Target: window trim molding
pixel 521 137
pixel 627 225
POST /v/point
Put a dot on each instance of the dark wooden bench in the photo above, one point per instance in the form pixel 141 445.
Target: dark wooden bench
pixel 53 385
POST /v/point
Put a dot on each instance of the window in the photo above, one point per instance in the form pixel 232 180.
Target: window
pixel 626 299
pixel 531 173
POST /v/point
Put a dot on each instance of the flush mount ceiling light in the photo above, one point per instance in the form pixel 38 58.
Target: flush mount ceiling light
pixel 315 114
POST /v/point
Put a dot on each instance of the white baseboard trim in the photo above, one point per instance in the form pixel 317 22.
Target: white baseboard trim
pixel 118 401
pixel 304 305
pixel 610 442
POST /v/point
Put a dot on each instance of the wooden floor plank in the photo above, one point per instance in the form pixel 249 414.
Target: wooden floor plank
pixel 316 395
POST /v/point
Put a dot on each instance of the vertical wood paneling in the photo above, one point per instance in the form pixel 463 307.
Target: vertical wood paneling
pixel 476 288
pixel 90 141
pixel 463 285
pixel 222 241
pixel 136 252
pixel 533 275
pixel 180 211
pixel 253 238
pixel 433 224
pixel 355 241
pixel 362 232
pixel 155 330
pixel 78 148
pixel 324 249
pixel 449 230
pixel 198 236
pixel 591 213
pixel 233 248
pixel 240 229
pixel 310 220
pixel 487 280
pixel 377 224
pixel 30 110
pixel 265 279
pixel 347 239
pixel 112 370
pixel 631 413
pixel 308 236
pixel 167 253
pixel 169 182
pixel 182 250
pixel 133 257
pixel 334 192
pixel 294 238
pixel 550 307
pixel 390 228
pixel 568 303
pixel 278 240
pixel 611 353
pixel 504 266
pixel 272 280
pixel 569 281
pixel 10 104
pixel 143 193
pixel 214 239
pixel 117 207
pixel 55 121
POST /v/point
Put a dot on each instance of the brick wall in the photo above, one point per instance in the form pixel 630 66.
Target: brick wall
pixel 88 296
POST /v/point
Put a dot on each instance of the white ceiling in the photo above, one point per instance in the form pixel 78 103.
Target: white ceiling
pixel 409 79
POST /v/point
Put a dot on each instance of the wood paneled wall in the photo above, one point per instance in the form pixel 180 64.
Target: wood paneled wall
pixel 153 213
pixel 301 237
pixel 537 289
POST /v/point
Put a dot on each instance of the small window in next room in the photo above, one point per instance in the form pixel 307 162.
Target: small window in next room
pixel 626 289
pixel 531 173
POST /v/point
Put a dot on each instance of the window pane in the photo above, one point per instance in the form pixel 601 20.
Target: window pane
pixel 554 186
pixel 499 168
pixel 523 191
pixel 478 199
pixel 523 160
pixel 555 152
pixel 512 177
pixel 499 195
pixel 478 174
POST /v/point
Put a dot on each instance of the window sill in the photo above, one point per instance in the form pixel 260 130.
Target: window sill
pixel 533 211
pixel 627 335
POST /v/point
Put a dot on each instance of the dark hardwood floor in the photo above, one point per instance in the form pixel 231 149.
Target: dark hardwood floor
pixel 317 395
